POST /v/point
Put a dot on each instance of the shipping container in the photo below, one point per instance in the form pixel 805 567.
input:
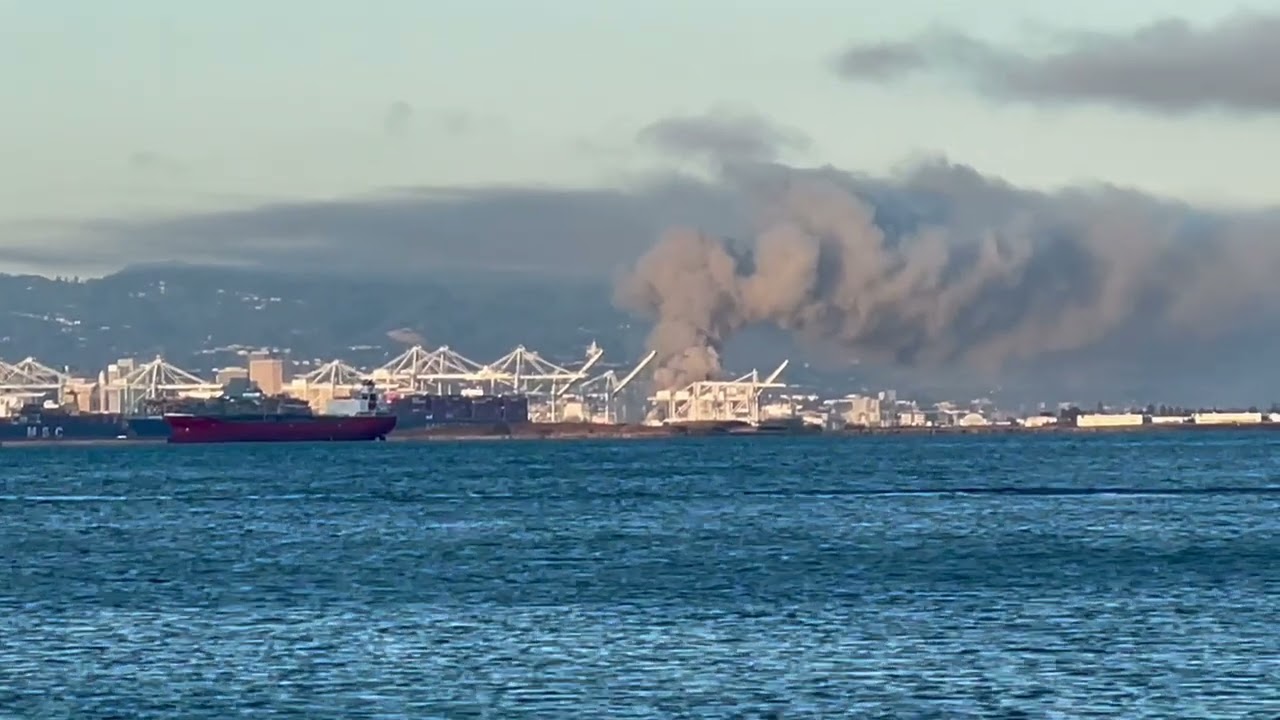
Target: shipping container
pixel 425 410
pixel 516 409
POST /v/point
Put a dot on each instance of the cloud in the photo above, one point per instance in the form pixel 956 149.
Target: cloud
pixel 552 231
pixel 723 135
pixel 1168 66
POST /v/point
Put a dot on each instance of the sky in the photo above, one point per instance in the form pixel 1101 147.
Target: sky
pixel 143 108
pixel 980 182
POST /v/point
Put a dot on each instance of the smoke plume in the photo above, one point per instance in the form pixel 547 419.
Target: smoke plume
pixel 946 266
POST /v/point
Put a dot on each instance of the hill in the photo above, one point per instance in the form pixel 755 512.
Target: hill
pixel 200 317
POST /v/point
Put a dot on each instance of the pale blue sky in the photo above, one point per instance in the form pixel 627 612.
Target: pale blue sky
pixel 141 106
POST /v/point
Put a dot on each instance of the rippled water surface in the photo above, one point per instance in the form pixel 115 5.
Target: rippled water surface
pixel 1119 577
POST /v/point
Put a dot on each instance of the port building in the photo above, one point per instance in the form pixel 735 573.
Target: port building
pixel 1226 418
pixel 267 372
pixel 1120 420
pixel 1110 420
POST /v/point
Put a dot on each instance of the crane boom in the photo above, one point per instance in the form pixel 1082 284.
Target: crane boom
pixel 636 371
pixel 581 374
pixel 773 377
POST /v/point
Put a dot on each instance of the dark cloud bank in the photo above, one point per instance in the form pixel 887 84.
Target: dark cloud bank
pixel 937 272
pixel 1168 66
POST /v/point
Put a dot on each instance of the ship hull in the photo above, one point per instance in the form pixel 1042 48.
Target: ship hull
pixel 148 428
pixel 318 428
pixel 55 428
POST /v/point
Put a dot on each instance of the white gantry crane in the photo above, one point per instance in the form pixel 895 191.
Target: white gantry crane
pixel 735 400
pixel 525 372
pixel 332 380
pixel 594 355
pixel 30 376
pixel 334 375
pixel 29 381
pixel 417 369
pixel 155 379
pixel 600 394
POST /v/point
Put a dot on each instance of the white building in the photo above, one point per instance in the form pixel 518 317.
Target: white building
pixel 1110 420
pixel 912 417
pixel 1227 418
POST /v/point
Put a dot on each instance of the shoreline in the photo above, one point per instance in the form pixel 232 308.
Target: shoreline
pixel 590 431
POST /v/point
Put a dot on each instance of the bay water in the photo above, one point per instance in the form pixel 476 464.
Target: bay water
pixel 1116 576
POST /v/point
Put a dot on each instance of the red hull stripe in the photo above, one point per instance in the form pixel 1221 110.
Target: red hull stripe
pixel 198 429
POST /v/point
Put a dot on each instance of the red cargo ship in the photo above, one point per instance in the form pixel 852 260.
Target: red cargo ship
pixel 287 421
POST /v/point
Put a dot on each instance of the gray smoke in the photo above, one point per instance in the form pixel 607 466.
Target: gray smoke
pixel 946 266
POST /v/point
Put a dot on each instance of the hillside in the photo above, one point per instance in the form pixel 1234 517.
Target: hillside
pixel 198 317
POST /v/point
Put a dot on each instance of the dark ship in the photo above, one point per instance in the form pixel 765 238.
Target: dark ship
pixel 38 422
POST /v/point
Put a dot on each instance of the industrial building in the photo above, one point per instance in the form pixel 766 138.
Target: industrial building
pixel 268 372
pixel 1226 418
pixel 1133 419
pixel 1109 420
pixel 858 411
